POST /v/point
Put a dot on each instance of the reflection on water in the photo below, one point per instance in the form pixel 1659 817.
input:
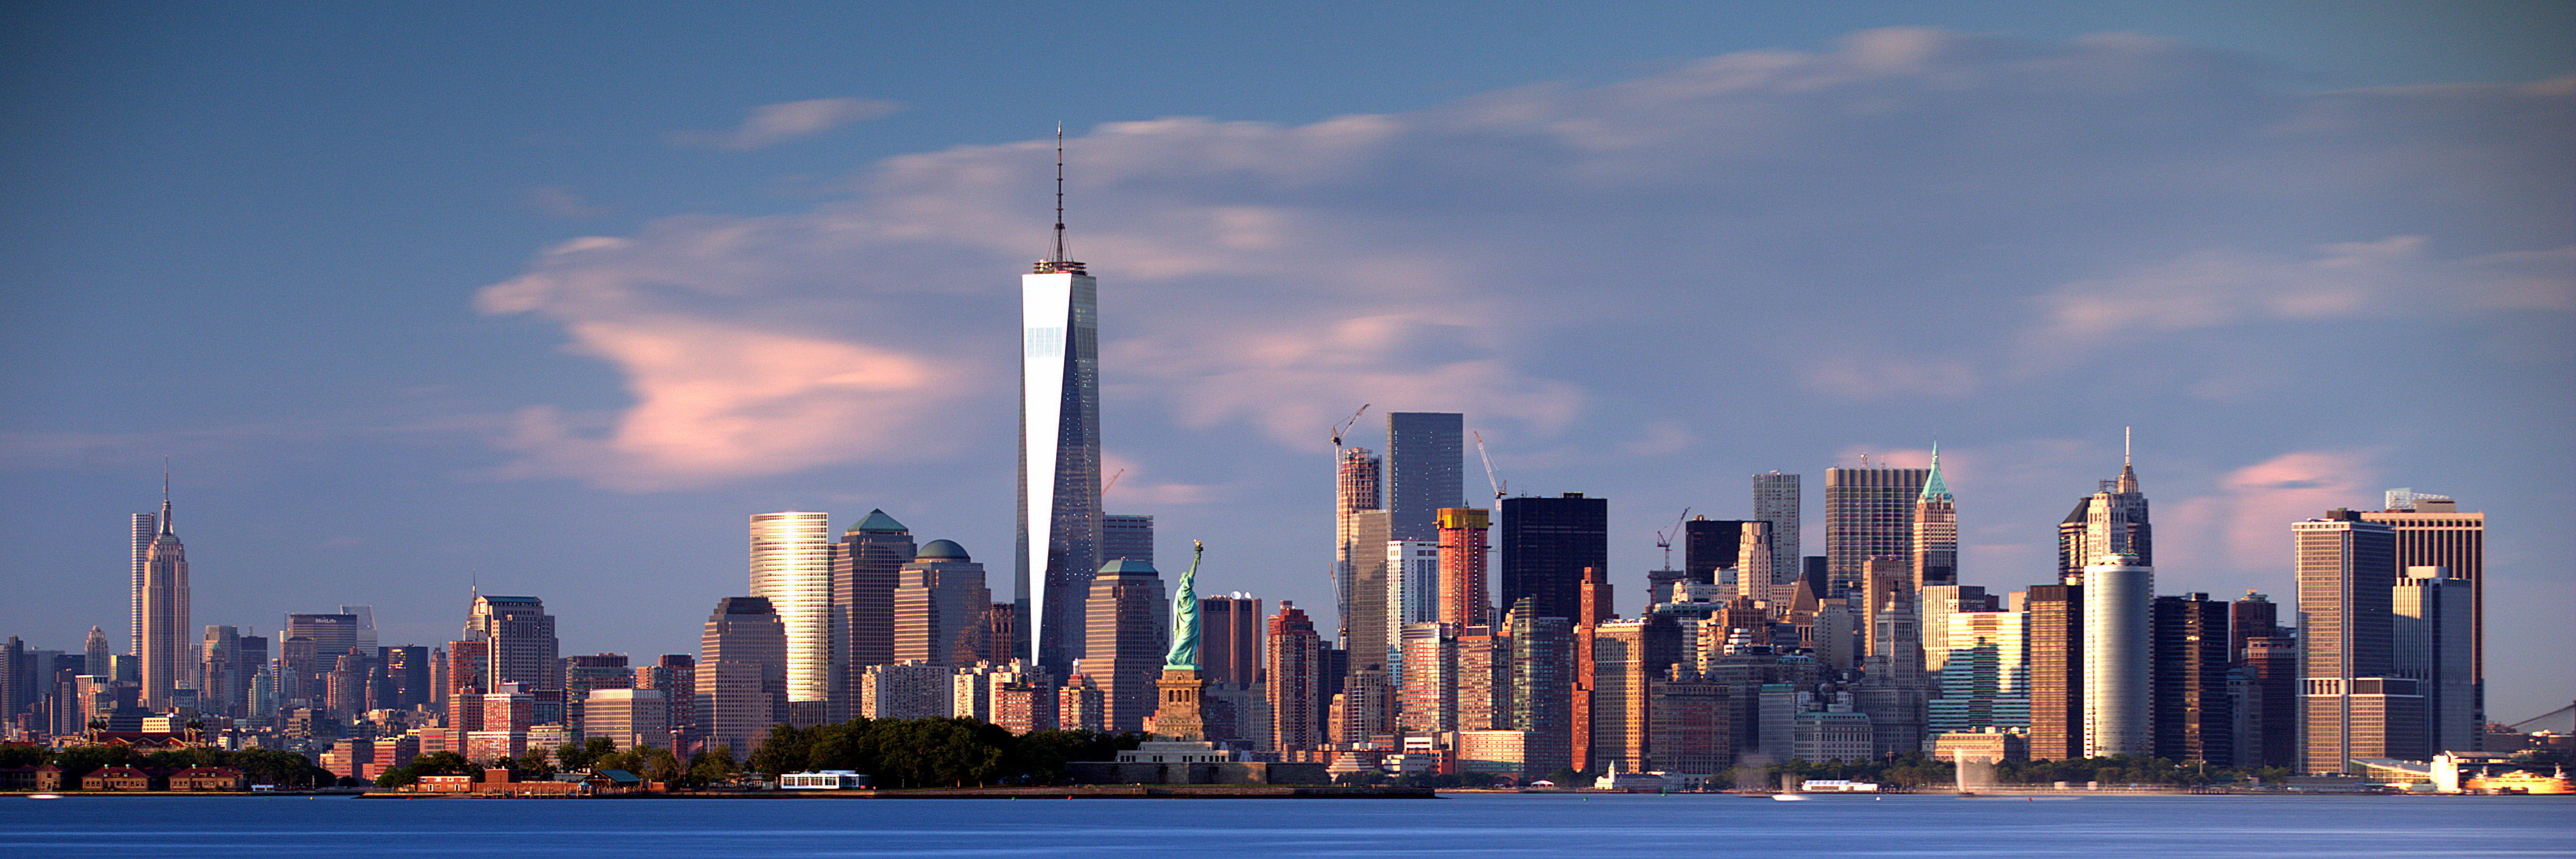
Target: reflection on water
pixel 1480 825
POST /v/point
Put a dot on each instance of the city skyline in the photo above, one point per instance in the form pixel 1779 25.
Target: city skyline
pixel 1276 267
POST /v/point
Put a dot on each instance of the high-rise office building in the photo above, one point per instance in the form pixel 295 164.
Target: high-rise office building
pixel 167 665
pixel 519 644
pixel 1426 683
pixel 142 528
pixel 1230 639
pixel 1464 599
pixel 1776 500
pixel 1711 545
pixel 2431 629
pixel 741 674
pixel 1541 683
pixel 1546 543
pixel 2195 718
pixel 2119 596
pixel 1126 536
pixel 1059 514
pixel 332 634
pixel 1936 530
pixel 2111 521
pixel 865 566
pixel 1128 637
pixel 407 676
pixel 1359 556
pixel 2054 621
pixel 675 675
pixel 1295 673
pixel 2432 532
pixel 94 653
pixel 1425 469
pixel 2352 703
pixel 1869 512
pixel 791 566
pixel 940 608
pixel 2267 708
pixel 1412 595
pixel 1985 674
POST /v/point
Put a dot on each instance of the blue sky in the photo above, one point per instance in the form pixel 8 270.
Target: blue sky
pixel 554 296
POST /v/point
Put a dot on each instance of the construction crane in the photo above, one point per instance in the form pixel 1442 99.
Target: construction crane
pixel 1496 482
pixel 1113 481
pixel 1343 427
pixel 1664 540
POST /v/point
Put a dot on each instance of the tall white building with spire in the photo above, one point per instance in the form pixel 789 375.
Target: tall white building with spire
pixel 2111 521
pixel 1058 550
pixel 164 627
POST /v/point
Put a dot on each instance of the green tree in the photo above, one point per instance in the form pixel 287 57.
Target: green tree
pixel 711 765
pixel 1044 757
pixel 535 764
pixel 581 756
pixel 783 752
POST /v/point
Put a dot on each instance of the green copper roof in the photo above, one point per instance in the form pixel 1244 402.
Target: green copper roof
pixel 1129 567
pixel 1933 488
pixel 879 523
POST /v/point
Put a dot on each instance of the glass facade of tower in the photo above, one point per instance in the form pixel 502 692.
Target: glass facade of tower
pixel 1425 465
pixel 791 566
pixel 1058 548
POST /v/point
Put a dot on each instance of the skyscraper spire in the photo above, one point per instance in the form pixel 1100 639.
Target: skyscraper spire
pixel 1058 260
pixel 1933 488
pixel 165 495
pixel 2128 475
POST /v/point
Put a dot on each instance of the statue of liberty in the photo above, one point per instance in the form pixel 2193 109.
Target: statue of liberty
pixel 1185 616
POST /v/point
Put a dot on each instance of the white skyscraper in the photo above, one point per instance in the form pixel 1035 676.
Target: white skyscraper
pixel 165 633
pixel 2119 594
pixel 1059 516
pixel 791 566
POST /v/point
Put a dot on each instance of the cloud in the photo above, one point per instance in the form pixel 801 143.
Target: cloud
pixel 1779 244
pixel 563 202
pixel 773 124
pixel 2388 277
pixel 2246 524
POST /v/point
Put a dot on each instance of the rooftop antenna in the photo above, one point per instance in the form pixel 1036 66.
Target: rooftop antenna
pixel 1059 193
pixel 2124 446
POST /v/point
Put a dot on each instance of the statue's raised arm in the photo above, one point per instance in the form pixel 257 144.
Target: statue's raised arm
pixel 1185 615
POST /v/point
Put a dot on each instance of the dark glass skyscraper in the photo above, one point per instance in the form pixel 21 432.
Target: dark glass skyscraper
pixel 1545 544
pixel 2194 718
pixel 1425 462
pixel 865 567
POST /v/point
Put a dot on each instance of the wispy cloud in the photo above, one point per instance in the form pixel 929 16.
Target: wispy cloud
pixel 1913 216
pixel 772 124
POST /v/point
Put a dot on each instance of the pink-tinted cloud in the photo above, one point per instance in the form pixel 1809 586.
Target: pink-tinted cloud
pixel 2245 526
pixel 773 124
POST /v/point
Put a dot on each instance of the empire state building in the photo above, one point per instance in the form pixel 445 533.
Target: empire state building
pixel 164 618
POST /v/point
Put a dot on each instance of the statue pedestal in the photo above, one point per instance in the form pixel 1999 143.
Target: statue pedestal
pixel 1181 716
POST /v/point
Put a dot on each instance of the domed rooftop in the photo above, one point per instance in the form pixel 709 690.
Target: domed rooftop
pixel 941 550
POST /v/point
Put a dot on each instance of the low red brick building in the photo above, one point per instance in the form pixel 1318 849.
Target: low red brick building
pixel 209 778
pixel 122 779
